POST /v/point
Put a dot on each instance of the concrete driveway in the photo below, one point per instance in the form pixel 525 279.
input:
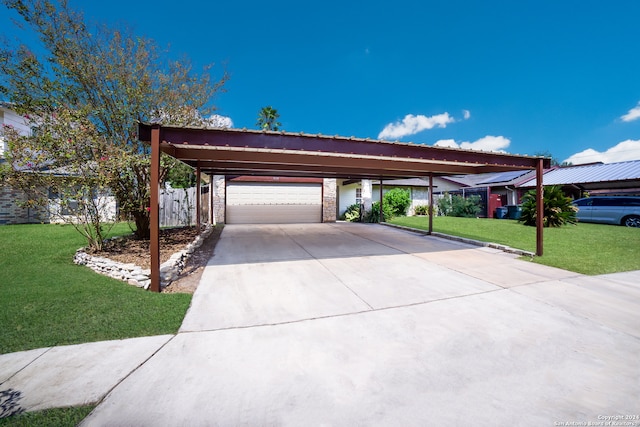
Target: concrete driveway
pixel 355 324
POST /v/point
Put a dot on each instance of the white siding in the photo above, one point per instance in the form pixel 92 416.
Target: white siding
pixel 347 197
pixel 11 118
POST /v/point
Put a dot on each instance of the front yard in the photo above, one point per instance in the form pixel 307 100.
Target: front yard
pixel 583 248
pixel 46 300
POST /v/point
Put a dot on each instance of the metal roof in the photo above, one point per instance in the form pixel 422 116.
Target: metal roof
pixel 584 174
pixel 250 152
pixel 502 178
pixel 489 179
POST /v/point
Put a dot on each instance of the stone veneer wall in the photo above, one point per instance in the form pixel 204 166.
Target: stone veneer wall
pixel 12 213
pixel 329 200
pixel 219 197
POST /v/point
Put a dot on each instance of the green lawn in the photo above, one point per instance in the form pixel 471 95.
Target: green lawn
pixel 56 417
pixel 583 248
pixel 46 300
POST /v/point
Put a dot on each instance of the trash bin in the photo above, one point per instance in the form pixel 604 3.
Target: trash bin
pixel 501 212
pixel 514 211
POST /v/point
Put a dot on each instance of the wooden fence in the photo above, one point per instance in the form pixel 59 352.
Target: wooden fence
pixel 178 206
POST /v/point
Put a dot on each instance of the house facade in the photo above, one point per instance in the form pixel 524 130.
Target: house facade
pixel 12 207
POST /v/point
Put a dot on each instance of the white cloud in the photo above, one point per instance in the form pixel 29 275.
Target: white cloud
pixel 466 114
pixel 411 125
pixel 216 121
pixel 447 143
pixel 633 114
pixel 488 143
pixel 623 151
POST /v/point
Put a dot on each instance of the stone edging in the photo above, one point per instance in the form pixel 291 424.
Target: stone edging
pixel 137 276
pixel 503 248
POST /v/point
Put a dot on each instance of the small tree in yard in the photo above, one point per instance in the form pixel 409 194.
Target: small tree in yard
pixel 62 168
pixel 111 79
pixel 557 208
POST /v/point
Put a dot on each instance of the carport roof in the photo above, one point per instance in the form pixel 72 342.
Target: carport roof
pixel 251 152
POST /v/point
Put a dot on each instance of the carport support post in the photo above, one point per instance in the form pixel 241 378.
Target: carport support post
pixel 198 189
pixel 539 207
pixel 381 213
pixel 212 215
pixel 154 207
pixel 431 209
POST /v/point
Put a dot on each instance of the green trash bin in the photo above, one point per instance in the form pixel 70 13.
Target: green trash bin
pixel 514 211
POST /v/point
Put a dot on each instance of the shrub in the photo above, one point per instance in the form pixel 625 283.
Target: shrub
pixel 398 200
pixel 459 206
pixel 557 207
pixel 374 214
pixel 421 210
pixel 352 214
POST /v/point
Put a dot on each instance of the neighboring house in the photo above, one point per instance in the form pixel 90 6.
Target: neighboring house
pixel 8 117
pixel 621 178
pixel 13 209
pixel 494 189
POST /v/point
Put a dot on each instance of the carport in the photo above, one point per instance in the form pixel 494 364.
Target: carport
pixel 265 153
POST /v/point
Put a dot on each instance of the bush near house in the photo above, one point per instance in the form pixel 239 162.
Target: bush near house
pixel 398 200
pixel 374 214
pixel 459 206
pixel 558 210
pixel 352 214
pixel 421 210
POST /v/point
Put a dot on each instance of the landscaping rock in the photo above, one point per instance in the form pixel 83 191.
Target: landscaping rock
pixel 135 275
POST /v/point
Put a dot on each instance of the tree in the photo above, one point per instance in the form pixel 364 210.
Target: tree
pixel 557 208
pixel 268 119
pixel 61 170
pixel 110 78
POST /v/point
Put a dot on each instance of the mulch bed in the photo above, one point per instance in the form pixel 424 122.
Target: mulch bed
pixel 130 250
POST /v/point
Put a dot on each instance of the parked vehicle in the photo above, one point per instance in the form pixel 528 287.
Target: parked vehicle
pixel 618 210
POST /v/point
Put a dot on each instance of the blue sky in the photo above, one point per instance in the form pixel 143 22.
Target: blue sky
pixel 523 77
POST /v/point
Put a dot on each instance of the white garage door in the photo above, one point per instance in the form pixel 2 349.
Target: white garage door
pixel 266 203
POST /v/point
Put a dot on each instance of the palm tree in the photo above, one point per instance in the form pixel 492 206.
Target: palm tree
pixel 268 119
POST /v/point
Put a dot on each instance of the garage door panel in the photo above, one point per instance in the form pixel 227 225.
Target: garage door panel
pixel 273 214
pixel 267 203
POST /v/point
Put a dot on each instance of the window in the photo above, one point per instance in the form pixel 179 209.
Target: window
pixel 359 196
